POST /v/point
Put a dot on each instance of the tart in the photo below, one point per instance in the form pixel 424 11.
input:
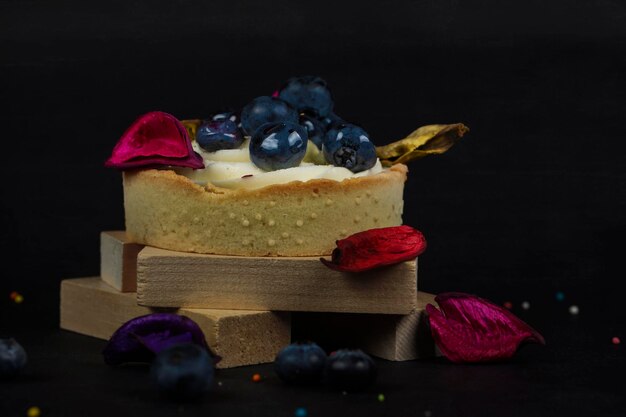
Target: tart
pixel 166 209
pixel 285 176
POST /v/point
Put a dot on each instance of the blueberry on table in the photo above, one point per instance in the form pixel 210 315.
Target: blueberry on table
pixel 278 146
pixel 183 372
pixel 300 363
pixel 350 369
pixel 308 93
pixel 213 135
pixel 12 358
pixel 266 109
pixel 349 146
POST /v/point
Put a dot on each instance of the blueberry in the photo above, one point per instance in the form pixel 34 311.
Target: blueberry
pixel 307 93
pixel 183 371
pixel 350 369
pixel 266 109
pixel 214 135
pixel 349 146
pixel 300 363
pixel 12 358
pixel 314 127
pixel 223 115
pixel 332 121
pixel 278 146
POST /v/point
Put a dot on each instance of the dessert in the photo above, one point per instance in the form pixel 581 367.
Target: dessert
pixel 284 177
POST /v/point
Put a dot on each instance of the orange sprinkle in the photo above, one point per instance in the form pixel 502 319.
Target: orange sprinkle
pixel 14 294
pixel 256 378
pixel 508 304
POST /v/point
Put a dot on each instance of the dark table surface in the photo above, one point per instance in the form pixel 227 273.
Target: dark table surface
pixel 578 372
pixel 531 202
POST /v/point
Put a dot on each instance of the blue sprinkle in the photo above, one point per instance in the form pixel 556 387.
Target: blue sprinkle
pixel 560 296
pixel 301 412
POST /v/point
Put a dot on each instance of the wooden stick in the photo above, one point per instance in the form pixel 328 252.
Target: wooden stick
pixel 90 307
pixel 118 260
pixel 391 337
pixel 176 279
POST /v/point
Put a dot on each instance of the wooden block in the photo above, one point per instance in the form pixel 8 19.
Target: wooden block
pixel 391 337
pixel 90 307
pixel 118 260
pixel 167 279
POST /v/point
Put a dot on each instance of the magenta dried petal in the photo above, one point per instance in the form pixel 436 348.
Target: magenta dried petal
pixel 471 329
pixel 139 339
pixel 154 139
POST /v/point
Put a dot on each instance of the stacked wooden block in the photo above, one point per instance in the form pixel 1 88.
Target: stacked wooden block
pixel 251 307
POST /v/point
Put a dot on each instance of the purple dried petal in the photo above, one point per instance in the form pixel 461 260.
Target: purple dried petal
pixel 156 342
pixel 139 339
pixel 154 139
pixel 471 329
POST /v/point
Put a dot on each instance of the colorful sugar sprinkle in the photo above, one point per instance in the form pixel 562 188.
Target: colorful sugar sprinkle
pixel 508 305
pixel 573 310
pixel 256 378
pixel 301 412
pixel 525 305
pixel 560 296
pixel 16 297
pixel 428 413
pixel 33 412
pixel 381 397
pixel 616 340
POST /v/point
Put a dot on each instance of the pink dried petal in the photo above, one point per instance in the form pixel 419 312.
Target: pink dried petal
pixel 471 329
pixel 154 139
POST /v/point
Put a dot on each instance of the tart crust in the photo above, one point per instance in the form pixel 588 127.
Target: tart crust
pixel 169 211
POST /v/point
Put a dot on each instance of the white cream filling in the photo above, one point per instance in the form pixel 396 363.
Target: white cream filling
pixel 232 168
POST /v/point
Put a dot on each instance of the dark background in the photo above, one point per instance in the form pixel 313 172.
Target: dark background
pixel 532 201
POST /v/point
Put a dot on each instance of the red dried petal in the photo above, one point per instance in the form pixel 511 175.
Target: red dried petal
pixel 471 329
pixel 374 248
pixel 154 139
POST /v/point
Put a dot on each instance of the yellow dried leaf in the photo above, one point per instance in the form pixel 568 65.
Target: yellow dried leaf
pixel 192 127
pixel 426 140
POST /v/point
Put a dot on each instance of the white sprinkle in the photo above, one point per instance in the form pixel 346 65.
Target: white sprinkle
pixel 573 310
pixel 525 305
